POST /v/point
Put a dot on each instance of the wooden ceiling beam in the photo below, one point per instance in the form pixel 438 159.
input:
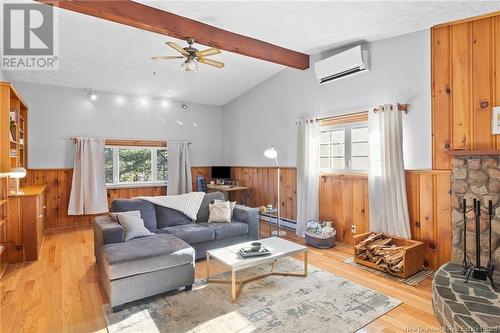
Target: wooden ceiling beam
pixel 144 17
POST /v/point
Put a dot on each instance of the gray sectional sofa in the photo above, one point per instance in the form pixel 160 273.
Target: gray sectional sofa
pixel 147 266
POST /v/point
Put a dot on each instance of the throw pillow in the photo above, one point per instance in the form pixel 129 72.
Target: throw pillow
pixel 220 212
pixel 114 215
pixel 232 204
pixel 133 226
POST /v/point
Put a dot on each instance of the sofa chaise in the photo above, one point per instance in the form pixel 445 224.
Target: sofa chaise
pixel 146 266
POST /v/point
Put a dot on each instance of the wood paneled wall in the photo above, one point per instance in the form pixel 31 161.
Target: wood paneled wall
pixel 343 199
pixel 262 183
pixel 58 183
pixel 429 206
pixel 465 87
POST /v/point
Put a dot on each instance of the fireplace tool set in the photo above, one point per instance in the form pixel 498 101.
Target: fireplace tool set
pixel 477 271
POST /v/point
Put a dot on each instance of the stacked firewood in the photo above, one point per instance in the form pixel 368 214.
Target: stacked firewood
pixel 382 251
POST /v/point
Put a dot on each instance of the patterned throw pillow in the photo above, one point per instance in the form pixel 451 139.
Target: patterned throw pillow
pixel 114 215
pixel 220 212
pixel 232 204
pixel 133 226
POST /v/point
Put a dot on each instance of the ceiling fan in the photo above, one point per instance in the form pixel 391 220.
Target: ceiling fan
pixel 192 55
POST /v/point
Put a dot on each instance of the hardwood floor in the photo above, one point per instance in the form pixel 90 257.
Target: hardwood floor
pixel 60 292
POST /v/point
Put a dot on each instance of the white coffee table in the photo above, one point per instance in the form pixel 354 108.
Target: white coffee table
pixel 230 258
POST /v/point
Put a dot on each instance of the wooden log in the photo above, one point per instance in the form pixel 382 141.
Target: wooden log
pixel 371 238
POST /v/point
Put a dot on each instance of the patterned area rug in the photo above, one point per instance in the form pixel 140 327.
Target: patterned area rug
pixel 411 280
pixel 322 302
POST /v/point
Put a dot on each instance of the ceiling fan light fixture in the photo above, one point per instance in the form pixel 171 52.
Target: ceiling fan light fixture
pixel 190 65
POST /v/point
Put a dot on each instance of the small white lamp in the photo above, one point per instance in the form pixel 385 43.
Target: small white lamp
pixel 272 153
pixel 17 173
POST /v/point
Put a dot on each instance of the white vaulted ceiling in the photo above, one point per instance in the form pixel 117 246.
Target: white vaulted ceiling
pixel 107 56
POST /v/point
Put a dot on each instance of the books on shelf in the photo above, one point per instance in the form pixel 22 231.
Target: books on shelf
pixel 14 115
pixel 13 134
pixel 13 152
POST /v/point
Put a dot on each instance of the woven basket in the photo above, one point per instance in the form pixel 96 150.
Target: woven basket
pixel 320 241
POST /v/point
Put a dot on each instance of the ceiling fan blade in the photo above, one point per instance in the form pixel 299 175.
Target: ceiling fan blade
pixel 178 48
pixel 166 57
pixel 207 52
pixel 214 63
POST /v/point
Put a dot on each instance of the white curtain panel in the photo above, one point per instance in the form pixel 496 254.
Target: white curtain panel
pixel 88 187
pixel 307 174
pixel 386 176
pixel 179 169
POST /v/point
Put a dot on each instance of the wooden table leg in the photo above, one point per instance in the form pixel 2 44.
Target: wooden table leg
pixel 273 267
pixel 305 263
pixel 208 267
pixel 233 285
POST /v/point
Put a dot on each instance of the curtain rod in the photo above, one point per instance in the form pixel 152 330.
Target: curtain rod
pixel 137 140
pixel 401 107
pixel 316 119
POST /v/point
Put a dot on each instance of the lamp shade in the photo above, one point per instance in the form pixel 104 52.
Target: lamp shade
pixel 17 173
pixel 271 153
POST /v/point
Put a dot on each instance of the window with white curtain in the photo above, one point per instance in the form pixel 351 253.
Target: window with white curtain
pixel 135 165
pixel 344 147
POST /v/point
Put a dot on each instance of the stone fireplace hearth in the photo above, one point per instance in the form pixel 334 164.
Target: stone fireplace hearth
pixel 475 177
pixel 472 306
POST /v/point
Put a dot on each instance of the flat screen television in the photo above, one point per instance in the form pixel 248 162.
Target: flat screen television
pixel 221 172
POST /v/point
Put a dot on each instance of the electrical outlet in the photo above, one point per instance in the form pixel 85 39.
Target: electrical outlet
pixel 353 229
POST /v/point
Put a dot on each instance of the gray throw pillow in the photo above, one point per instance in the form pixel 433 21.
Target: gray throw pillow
pixel 114 216
pixel 133 226
pixel 209 198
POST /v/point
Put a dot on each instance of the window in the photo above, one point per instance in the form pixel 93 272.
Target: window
pixel 332 149
pixel 344 147
pixel 135 165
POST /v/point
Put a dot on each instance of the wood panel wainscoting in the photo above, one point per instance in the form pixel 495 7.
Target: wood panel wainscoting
pixel 429 207
pixel 262 184
pixel 343 199
pixel 465 86
pixel 58 183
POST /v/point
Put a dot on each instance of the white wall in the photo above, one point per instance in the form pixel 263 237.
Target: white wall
pixel 266 115
pixel 58 113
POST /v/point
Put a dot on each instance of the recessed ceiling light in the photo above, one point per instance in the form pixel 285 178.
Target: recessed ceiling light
pixel 120 100
pixel 195 124
pixel 143 101
pixel 179 122
pixel 93 96
pixel 165 103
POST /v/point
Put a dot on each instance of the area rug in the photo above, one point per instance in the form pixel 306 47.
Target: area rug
pixel 321 302
pixel 411 280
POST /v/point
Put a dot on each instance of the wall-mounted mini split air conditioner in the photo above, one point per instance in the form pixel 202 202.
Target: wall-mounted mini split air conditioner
pixel 343 64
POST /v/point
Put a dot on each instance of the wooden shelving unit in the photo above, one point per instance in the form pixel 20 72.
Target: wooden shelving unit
pixel 18 115
pixel 13 153
pixel 4 213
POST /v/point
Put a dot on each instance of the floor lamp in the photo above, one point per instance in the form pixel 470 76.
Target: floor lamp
pixel 273 154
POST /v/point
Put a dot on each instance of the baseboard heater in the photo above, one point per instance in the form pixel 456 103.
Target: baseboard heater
pixel 284 221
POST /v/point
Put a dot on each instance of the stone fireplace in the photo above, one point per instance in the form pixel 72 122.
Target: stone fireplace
pixel 475 177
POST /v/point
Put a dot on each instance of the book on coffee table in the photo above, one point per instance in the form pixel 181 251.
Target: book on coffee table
pixel 248 253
